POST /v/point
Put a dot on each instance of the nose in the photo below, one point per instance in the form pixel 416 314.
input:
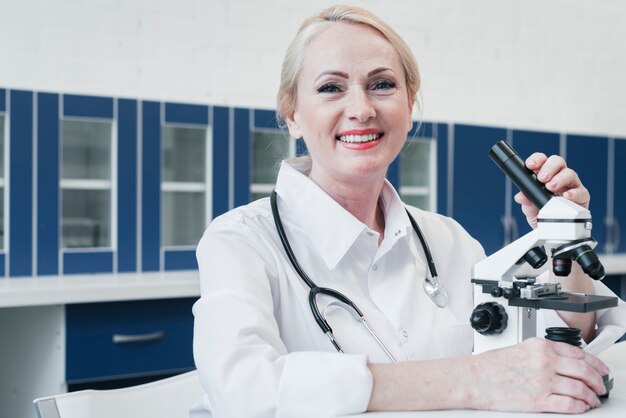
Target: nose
pixel 359 107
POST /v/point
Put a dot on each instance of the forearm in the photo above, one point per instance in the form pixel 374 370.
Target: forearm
pixel 422 385
pixel 578 282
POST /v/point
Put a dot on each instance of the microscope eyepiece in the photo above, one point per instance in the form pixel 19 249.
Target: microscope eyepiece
pixel 512 165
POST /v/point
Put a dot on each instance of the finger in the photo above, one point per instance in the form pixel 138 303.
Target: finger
pixel 576 389
pixel 579 195
pixel 567 350
pixel 522 199
pixel 582 372
pixel 563 180
pixel 550 168
pixel 535 161
pixel 563 404
pixel 528 209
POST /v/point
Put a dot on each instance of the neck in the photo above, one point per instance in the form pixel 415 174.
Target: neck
pixel 360 198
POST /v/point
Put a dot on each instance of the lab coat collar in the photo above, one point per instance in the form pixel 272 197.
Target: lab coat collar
pixel 331 228
pixel 397 223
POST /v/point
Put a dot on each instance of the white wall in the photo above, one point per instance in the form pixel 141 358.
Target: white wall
pixel 550 65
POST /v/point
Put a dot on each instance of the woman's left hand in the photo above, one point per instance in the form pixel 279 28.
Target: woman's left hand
pixel 558 178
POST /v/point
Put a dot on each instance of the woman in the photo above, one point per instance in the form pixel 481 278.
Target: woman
pixel 348 88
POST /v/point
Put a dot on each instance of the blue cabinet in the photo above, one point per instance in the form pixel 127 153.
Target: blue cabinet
pixel 478 185
pixel 55 253
pixel 21 183
pixel 162 124
pixel 468 186
pixel 617 223
pixel 588 156
pixel 128 339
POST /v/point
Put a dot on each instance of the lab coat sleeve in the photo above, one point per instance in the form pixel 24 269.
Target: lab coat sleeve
pixel 244 366
pixel 610 323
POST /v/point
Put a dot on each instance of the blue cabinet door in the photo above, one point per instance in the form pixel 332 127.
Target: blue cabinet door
pixel 526 143
pixel 588 156
pixel 478 185
pixel 619 195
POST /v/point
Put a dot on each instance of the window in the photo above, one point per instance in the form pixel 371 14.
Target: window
pixel 184 185
pixel 417 173
pixel 86 183
pixel 269 148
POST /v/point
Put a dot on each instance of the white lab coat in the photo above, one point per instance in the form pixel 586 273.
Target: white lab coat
pixel 259 351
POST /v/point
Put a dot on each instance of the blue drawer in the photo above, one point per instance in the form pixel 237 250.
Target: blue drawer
pixel 118 339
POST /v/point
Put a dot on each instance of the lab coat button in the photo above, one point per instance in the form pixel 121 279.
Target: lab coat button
pixel 374 267
pixel 405 334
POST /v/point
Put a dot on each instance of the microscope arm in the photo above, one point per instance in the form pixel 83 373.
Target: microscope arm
pixel 503 264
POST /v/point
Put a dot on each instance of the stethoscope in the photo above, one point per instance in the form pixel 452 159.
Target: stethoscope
pixel 432 287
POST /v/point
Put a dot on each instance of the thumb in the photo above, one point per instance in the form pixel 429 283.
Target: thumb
pixel 528 209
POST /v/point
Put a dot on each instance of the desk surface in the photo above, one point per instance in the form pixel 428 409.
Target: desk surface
pixel 58 290
pixel 614 406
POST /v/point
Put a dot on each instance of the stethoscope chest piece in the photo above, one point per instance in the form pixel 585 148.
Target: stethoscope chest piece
pixel 435 291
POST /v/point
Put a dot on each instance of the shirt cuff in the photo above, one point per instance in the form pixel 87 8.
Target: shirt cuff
pixel 342 386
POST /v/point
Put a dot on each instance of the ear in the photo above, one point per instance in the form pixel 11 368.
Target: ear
pixel 410 122
pixel 293 127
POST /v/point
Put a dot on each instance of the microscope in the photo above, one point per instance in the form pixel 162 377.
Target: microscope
pixel 506 291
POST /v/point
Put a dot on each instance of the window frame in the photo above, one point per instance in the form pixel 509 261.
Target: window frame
pixel 92 184
pixel 4 181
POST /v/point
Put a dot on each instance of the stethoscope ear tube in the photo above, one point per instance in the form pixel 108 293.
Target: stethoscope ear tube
pixel 285 242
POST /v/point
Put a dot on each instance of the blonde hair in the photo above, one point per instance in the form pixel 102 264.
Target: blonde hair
pixel 292 64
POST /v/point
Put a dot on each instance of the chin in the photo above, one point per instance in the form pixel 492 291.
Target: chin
pixel 367 170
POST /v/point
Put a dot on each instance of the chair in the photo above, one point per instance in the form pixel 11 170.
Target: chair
pixel 166 398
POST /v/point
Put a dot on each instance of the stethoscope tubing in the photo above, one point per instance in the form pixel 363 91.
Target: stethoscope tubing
pixel 315 290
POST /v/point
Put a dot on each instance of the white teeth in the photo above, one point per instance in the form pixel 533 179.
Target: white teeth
pixel 359 138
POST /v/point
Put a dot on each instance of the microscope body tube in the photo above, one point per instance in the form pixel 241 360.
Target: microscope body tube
pixel 512 165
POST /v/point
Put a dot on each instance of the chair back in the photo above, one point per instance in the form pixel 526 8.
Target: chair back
pixel 166 398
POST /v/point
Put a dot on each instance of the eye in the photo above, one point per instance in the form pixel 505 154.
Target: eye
pixel 329 88
pixel 383 85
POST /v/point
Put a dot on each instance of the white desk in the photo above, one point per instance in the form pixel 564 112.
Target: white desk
pixel 614 406
pixel 85 288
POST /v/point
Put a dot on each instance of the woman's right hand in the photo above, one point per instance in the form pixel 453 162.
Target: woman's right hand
pixel 538 376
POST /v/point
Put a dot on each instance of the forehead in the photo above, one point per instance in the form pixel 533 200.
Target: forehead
pixel 349 46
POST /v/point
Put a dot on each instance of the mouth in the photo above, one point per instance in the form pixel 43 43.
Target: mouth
pixel 359 136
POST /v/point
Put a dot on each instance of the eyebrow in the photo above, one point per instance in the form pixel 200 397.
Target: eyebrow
pixel 345 75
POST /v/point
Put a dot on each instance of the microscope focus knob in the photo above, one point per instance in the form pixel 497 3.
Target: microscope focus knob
pixel 489 318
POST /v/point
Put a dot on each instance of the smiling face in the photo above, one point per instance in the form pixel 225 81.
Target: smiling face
pixel 352 107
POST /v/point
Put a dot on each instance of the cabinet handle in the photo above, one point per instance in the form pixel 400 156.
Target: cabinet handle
pixel 612 233
pixel 506 230
pixel 617 236
pixel 514 229
pixel 135 338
